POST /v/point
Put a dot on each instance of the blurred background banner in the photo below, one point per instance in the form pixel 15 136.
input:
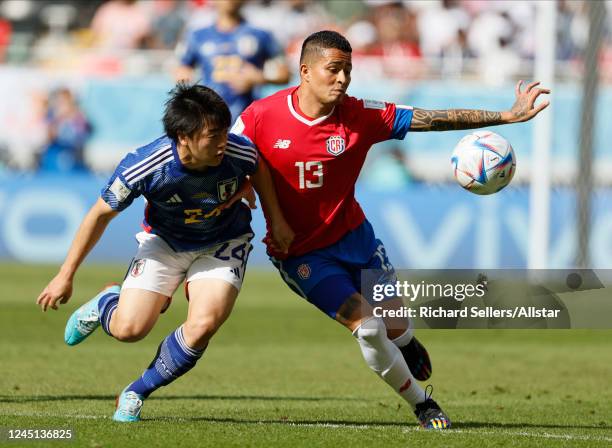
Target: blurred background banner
pixel 40 214
pixel 125 113
pixel 82 83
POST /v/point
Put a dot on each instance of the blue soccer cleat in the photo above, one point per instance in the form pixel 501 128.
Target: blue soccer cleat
pixel 86 319
pixel 129 405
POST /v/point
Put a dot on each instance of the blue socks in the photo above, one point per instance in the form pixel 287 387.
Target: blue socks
pixel 173 359
pixel 106 307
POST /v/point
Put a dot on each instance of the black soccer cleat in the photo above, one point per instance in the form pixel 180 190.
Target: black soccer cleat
pixel 430 415
pixel 417 358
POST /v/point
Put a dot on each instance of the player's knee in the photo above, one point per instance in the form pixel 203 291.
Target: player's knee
pixel 200 331
pixel 371 330
pixel 378 352
pixel 129 331
pixel 351 313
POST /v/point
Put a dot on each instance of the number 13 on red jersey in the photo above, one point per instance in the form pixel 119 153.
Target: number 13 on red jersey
pixel 310 174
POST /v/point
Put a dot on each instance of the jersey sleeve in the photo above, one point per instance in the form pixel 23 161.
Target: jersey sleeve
pixel 243 153
pixel 189 54
pixel 119 193
pixel 271 47
pixel 385 121
pixel 401 122
pixel 245 125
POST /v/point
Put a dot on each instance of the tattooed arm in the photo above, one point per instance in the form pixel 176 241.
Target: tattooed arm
pixel 454 119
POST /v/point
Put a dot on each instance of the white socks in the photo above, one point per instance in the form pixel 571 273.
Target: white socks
pixel 386 360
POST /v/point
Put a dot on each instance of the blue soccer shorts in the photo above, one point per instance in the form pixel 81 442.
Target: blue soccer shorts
pixel 327 277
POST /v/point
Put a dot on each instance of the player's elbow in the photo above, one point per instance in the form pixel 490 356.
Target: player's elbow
pixel 284 75
pixel 102 211
pixel 276 71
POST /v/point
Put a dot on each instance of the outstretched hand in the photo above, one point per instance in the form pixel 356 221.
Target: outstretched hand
pixel 57 291
pixel 524 107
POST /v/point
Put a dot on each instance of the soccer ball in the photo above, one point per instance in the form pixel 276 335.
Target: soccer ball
pixel 483 162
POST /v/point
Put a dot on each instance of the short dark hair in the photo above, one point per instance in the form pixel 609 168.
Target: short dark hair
pixel 190 108
pixel 321 40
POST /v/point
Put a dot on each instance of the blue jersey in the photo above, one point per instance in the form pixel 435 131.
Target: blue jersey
pixel 183 205
pixel 220 54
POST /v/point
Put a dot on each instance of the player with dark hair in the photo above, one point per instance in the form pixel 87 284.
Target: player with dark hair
pixel 315 138
pixel 190 233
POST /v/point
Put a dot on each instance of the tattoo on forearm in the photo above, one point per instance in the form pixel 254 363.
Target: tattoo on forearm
pixel 453 119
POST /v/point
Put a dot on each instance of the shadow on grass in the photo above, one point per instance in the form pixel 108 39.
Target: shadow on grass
pixel 365 425
pixel 279 421
pixel 43 398
pixel 372 424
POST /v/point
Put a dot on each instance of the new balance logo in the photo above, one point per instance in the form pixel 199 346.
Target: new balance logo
pixel 174 200
pixel 282 144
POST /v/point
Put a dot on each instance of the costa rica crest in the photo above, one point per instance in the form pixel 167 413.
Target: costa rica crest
pixel 335 145
pixel 303 271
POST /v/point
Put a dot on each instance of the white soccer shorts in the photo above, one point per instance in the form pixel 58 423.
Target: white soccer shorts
pixel 157 267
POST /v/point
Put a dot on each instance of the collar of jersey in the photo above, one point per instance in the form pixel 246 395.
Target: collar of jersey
pixel 230 32
pixel 301 118
pixel 178 169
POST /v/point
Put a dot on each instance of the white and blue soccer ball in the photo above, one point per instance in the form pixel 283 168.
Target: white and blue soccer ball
pixel 483 162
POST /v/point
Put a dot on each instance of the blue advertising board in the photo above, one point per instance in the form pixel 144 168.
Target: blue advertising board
pixel 422 226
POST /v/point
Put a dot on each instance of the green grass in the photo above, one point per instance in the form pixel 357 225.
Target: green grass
pixel 280 373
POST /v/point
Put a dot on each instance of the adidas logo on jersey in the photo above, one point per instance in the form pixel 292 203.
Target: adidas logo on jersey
pixel 174 200
pixel 282 144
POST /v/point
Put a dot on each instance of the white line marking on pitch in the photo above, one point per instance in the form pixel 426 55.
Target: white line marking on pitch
pixel 542 435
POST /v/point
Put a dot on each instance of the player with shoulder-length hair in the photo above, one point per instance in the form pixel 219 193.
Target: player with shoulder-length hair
pixel 190 233
pixel 315 138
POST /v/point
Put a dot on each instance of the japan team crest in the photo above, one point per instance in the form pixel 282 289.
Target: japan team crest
pixel 227 188
pixel 335 145
pixel 137 267
pixel 303 271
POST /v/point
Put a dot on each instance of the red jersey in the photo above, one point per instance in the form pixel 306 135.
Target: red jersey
pixel 315 163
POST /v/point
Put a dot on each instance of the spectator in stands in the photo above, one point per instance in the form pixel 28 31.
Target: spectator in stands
pixel 68 131
pixel 234 57
pixel 299 19
pixel 438 25
pixel 398 41
pixel 121 25
pixel 168 22
pixel 5 37
pixel 455 56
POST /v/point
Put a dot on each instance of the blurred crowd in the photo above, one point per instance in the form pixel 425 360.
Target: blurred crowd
pixel 491 41
pixel 403 39
pixel 56 137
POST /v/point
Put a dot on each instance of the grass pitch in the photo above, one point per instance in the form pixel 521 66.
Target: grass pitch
pixel 280 373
